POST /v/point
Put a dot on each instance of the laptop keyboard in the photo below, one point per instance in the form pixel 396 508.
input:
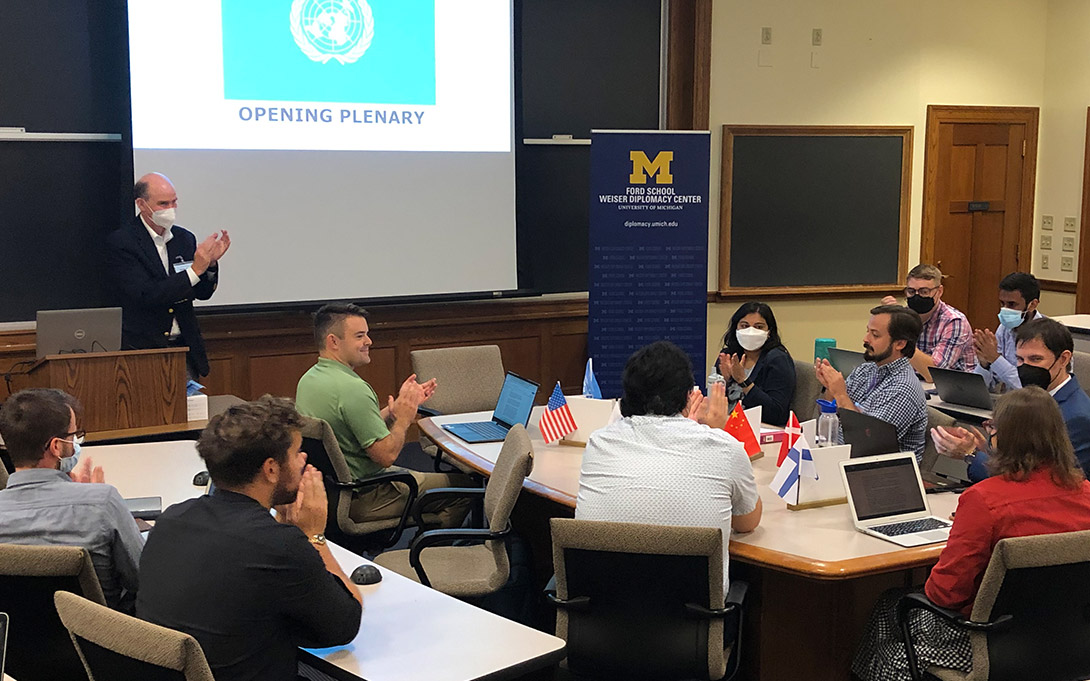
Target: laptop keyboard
pixel 911 527
pixel 486 429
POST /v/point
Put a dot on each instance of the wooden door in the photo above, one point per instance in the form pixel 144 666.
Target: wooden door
pixel 978 202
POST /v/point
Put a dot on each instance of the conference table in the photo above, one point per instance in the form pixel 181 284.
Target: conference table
pixel 813 578
pixel 408 631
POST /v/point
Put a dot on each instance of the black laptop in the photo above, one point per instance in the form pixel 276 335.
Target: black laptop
pixel 962 387
pixel 514 405
pixel 845 361
pixel 868 435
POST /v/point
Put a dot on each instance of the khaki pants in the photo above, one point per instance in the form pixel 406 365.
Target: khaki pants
pixel 388 501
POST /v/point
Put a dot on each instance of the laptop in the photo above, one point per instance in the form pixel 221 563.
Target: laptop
pixel 868 435
pixel 89 330
pixel 514 405
pixel 845 361
pixel 962 387
pixel 886 498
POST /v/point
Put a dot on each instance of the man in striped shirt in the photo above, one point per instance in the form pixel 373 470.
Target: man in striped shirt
pixel 946 340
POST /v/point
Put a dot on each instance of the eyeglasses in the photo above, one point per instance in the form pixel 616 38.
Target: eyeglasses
pixel 76 436
pixel 924 291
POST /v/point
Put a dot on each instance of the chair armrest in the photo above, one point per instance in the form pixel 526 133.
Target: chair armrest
pixel 438 493
pixel 577 604
pixel 737 592
pixel 379 479
pixel 447 536
pixel 427 412
pixel 919 601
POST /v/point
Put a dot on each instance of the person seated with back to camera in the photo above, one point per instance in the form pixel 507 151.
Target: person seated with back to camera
pixel 1036 488
pixel 668 461
pixel 757 366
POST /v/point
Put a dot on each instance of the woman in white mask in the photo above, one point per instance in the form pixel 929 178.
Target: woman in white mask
pixel 757 366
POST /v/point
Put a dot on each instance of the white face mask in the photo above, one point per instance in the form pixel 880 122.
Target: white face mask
pixel 751 338
pixel 164 218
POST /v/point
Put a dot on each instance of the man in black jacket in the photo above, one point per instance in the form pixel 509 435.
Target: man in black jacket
pixel 157 269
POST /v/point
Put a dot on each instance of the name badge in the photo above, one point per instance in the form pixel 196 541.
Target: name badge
pixel 182 266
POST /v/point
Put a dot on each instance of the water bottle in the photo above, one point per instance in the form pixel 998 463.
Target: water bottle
pixel 713 378
pixel 828 424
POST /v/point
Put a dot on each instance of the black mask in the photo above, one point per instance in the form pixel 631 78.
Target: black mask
pixel 1039 376
pixel 921 304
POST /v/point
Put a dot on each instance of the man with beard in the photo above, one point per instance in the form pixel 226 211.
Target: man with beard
pixel 884 385
pixel 250 588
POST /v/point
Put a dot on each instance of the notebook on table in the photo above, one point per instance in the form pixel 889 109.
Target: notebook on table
pixel 514 405
pixel 886 498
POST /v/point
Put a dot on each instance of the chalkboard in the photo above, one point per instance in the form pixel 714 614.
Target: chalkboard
pixel 814 209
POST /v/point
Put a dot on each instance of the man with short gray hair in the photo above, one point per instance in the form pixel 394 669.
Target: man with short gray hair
pixel 946 340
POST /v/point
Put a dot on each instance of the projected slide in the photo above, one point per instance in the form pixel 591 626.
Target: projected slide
pixel 321 75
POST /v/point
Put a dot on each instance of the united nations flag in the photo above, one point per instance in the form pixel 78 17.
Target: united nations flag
pixel 345 51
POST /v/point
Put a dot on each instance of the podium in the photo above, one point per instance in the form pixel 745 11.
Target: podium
pixel 118 390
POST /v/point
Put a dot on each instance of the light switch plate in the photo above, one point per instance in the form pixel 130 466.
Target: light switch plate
pixel 1069 224
pixel 815 37
pixel 1046 222
pixel 766 35
pixel 1046 241
pixel 1044 261
pixel 1067 263
pixel 1069 244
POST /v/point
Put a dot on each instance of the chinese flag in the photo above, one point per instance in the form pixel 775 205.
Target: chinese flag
pixel 738 426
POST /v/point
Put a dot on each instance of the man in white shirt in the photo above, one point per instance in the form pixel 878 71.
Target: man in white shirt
pixel 157 269
pixel 668 461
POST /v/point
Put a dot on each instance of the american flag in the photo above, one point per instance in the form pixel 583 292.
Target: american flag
pixel 557 421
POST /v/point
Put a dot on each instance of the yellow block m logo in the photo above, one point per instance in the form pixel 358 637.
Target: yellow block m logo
pixel 642 167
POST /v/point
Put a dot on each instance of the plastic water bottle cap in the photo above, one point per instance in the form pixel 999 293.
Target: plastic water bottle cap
pixel 827 406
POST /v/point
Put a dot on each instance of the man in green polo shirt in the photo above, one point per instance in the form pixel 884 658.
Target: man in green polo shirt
pixel 370 435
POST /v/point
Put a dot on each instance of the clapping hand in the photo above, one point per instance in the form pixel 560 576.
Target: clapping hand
pixel 957 442
pixel 731 365
pixel 985 345
pixel 87 471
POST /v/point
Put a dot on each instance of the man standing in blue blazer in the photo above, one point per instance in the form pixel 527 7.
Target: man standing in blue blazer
pixel 157 269
pixel 1044 349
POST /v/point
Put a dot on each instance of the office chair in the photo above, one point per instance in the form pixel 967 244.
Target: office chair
pixel 644 601
pixel 482 568
pixel 807 391
pixel 357 534
pixel 118 647
pixel 1031 616
pixel 39 648
pixel 1081 368
pixel 468 379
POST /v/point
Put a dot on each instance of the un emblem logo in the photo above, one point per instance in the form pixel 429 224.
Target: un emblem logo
pixel 332 29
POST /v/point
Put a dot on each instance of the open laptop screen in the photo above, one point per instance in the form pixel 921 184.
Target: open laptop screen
pixel 884 488
pixel 516 400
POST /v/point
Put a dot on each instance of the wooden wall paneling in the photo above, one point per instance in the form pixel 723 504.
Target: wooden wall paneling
pixel 257 353
pixel 688 65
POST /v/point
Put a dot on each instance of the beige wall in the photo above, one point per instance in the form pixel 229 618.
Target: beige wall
pixel 1063 130
pixel 882 63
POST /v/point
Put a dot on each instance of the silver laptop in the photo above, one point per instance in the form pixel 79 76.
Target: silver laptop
pixel 886 498
pixel 963 388
pixel 845 361
pixel 90 330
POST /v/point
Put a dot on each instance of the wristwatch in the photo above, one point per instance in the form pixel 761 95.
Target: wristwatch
pixel 318 539
pixel 745 384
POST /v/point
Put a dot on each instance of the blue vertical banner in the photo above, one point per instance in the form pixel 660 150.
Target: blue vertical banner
pixel 648 247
